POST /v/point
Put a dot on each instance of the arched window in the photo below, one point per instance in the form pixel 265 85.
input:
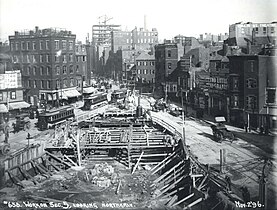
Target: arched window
pixel 251 83
pixel 64 70
pixel 58 69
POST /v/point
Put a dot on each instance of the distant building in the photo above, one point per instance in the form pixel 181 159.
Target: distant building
pixel 145 68
pixel 81 65
pixel 255 33
pixel 47 59
pixel 138 40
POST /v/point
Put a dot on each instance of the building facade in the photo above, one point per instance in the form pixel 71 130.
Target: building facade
pixel 145 68
pixel 255 33
pixel 250 78
pixel 47 59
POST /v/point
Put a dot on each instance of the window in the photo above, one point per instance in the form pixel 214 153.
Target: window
pixel 57 58
pixel 34 59
pixel 64 70
pixel 70 45
pixel 40 58
pixel 235 83
pixel 84 58
pixel 58 85
pixel 13 94
pixel 169 66
pixel 28 70
pixel 41 45
pixel 57 45
pixel 34 46
pixel 64 45
pixel 251 66
pixel 48 85
pixel 236 101
pixel 169 53
pixel 264 30
pixel 77 68
pixel 251 102
pixel 42 84
pixel 28 58
pixel 64 83
pixel 48 58
pixel 47 44
pixel 41 70
pixel 71 82
pixel 251 83
pixel 34 70
pixel 16 46
pixel 71 71
pixel 64 58
pixel 70 58
pixel 22 45
pixel 272 30
pixel 48 70
pixel 271 95
pixel 35 84
pixel 58 70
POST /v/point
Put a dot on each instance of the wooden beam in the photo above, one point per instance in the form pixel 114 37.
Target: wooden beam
pixel 202 182
pixel 58 159
pixel 138 162
pixel 71 161
pixel 14 179
pixel 168 172
pixel 182 200
pixel 172 200
pixel 193 203
pixel 54 166
pixel 170 186
pixel 171 193
pixel 164 162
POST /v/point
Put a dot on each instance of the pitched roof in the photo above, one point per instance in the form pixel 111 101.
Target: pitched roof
pixel 145 56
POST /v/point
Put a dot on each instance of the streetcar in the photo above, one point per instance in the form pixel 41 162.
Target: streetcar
pixel 119 95
pixel 95 100
pixel 53 117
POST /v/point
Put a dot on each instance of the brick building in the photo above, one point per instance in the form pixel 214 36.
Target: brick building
pixel 47 60
pixel 250 77
pixel 255 33
pixel 145 68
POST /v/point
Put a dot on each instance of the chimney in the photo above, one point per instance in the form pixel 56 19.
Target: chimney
pixel 248 47
pixel 225 49
pixel 36 29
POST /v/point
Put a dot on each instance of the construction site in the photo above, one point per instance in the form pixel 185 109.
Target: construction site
pixel 134 158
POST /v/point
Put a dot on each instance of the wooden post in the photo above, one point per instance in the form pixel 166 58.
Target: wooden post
pixel 222 160
pixel 181 201
pixel 78 147
pixel 138 162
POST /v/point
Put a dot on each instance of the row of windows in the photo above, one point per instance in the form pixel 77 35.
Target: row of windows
pixel 145 63
pixel 42 70
pixel 46 58
pixel 12 95
pixel 145 71
pixel 46 84
pixel 41 45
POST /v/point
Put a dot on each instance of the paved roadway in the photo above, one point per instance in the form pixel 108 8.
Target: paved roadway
pixel 244 160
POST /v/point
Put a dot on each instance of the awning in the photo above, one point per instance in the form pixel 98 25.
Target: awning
pixel 89 90
pixel 3 108
pixel 19 105
pixel 71 93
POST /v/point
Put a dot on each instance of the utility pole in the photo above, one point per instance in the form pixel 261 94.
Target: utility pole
pixel 183 118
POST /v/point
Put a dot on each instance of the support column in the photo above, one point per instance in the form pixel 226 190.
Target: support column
pixel 222 160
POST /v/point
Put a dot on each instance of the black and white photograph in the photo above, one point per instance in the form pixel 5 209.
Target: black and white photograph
pixel 138 105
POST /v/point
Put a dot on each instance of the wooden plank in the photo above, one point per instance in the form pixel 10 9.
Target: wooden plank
pixel 172 200
pixel 168 172
pixel 171 193
pixel 27 175
pixel 184 199
pixel 54 166
pixel 135 167
pixel 170 186
pixel 193 203
pixel 58 159
pixel 162 163
pixel 202 182
pixel 71 161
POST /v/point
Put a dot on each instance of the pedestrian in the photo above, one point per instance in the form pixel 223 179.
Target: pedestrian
pixel 245 126
pixel 228 183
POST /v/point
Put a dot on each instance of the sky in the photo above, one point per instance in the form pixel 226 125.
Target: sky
pixel 170 18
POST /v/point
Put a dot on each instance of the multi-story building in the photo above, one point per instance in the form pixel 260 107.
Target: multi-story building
pixel 250 77
pixel 47 59
pixel 145 68
pixel 138 40
pixel 81 65
pixel 11 90
pixel 255 33
pixel 189 43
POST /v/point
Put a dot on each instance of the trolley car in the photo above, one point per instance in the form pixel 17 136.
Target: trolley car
pixel 54 117
pixel 119 95
pixel 95 100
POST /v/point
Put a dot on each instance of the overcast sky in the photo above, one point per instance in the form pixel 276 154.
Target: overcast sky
pixel 172 17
